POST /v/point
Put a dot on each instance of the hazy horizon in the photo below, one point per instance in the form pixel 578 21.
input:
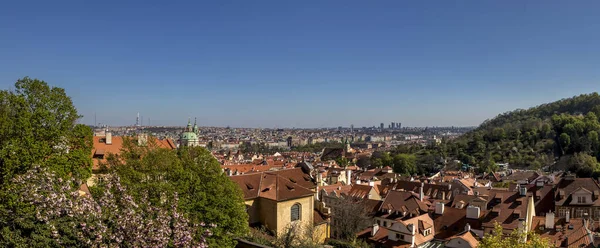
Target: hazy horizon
pixel 303 64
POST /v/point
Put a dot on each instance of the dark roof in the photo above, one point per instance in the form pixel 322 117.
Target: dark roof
pixel 566 187
pixel 522 175
pixel 403 201
pixel 332 153
pixel 452 222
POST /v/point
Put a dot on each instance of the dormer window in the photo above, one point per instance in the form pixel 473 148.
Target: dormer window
pixel 581 199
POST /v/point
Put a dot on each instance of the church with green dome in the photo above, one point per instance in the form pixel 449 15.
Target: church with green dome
pixel 189 136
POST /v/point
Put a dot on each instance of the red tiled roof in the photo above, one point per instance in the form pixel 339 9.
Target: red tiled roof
pixel 271 185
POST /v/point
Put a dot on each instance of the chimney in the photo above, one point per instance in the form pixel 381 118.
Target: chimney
pixel 439 208
pixel 567 217
pixel 374 230
pixel 467 227
pixel 108 138
pixel 421 193
pixel 549 220
pixel 371 183
pixel 473 212
pixel 523 191
pixel 348 176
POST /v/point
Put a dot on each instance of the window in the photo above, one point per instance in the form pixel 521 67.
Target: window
pixel 579 213
pixel 296 212
pixel 385 223
pixel 562 212
pixel 581 199
pixel 426 232
pixel 397 236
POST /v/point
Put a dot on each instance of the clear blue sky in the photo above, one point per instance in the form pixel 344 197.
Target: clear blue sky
pixel 303 63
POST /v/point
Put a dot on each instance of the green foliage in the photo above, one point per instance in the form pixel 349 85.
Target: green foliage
pixel 533 138
pixel 405 163
pixel 206 194
pixel 37 125
pixel 37 128
pixel 515 240
pixel 347 244
pixel 259 148
pixel 317 147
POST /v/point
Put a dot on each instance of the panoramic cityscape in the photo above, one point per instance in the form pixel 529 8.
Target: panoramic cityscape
pixel 333 124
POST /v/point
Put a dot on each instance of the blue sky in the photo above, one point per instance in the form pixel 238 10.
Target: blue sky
pixel 303 63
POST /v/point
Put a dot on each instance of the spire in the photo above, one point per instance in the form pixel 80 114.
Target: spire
pixel 195 126
pixel 189 125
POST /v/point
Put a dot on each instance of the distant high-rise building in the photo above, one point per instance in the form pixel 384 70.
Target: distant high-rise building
pixel 352 128
pixel 137 120
pixel 393 125
pixel 381 126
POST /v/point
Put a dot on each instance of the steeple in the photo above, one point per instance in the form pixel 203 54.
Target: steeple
pixel 195 126
pixel 189 126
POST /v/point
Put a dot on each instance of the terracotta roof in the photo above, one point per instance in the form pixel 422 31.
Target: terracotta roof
pixel 403 201
pixel 522 175
pixel 271 185
pixel 503 205
pixel 467 237
pixel 435 191
pixel 101 150
pixel 381 237
pixel 246 168
pixel 319 218
pixel 360 191
pixel 572 234
pixel 338 188
pixel 452 222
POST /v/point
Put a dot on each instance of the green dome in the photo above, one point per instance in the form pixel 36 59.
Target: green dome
pixel 189 136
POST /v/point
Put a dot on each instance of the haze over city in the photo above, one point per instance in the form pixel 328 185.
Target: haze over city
pixel 303 64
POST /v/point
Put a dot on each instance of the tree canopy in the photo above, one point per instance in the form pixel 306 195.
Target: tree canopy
pixel 206 194
pixel 38 127
pixel 497 239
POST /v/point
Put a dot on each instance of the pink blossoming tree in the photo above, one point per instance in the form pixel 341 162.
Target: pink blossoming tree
pixel 65 216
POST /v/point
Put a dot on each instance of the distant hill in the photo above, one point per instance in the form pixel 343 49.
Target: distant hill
pixel 536 137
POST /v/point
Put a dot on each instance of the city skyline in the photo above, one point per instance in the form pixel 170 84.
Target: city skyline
pixel 303 64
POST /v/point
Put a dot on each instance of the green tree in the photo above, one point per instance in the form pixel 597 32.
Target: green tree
pixel 515 240
pixel 565 142
pixel 405 163
pixel 206 193
pixel 37 127
pixel 583 164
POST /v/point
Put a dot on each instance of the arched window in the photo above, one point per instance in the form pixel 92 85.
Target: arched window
pixel 296 211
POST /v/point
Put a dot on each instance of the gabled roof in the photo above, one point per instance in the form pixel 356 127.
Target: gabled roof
pixel 361 191
pixel 271 185
pixel 403 201
pixel 468 238
pixel 568 186
pixel 453 221
pixel 572 234
pixel 100 148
